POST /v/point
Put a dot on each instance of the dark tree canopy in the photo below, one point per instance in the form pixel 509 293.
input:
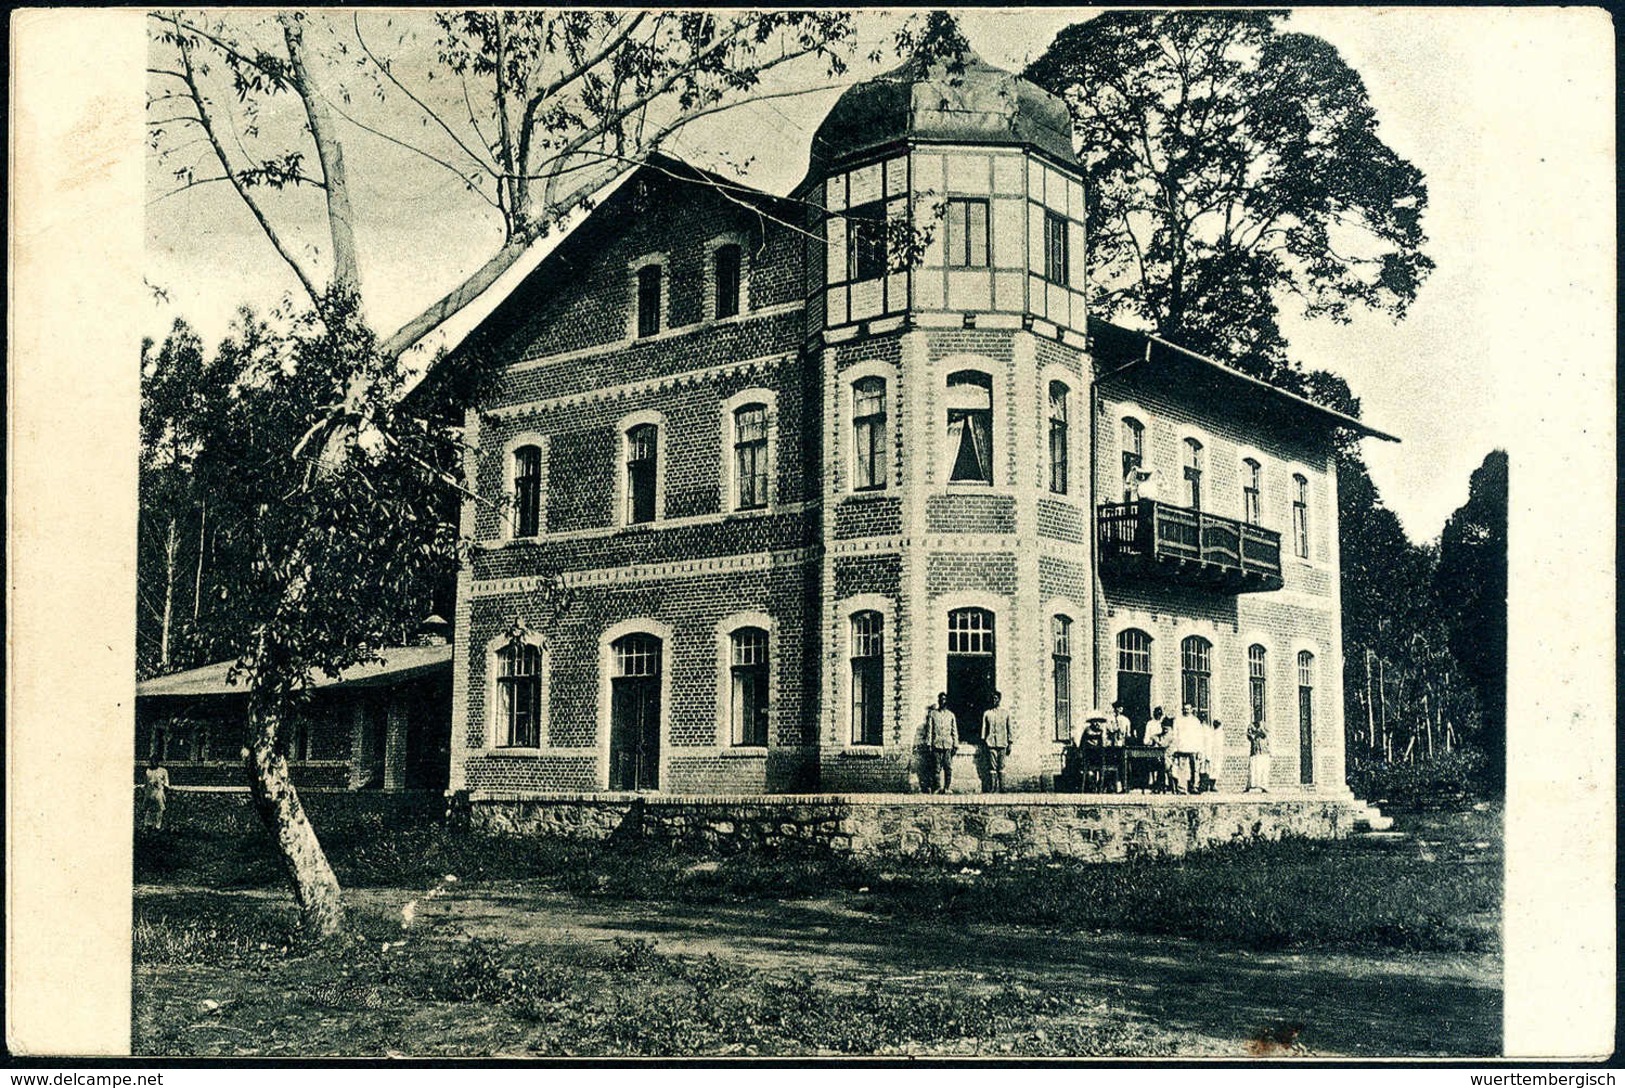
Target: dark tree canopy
pixel 1231 169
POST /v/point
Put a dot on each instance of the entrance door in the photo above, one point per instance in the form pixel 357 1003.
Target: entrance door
pixel 1306 717
pixel 971 669
pixel 634 714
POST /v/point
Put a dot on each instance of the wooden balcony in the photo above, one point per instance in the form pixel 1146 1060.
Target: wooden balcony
pixel 1150 539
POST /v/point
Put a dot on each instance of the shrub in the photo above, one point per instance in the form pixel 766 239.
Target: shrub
pixel 1448 779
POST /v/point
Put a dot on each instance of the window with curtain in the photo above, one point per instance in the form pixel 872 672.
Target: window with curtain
pixel 1300 516
pixel 519 696
pixel 1133 443
pixel 966 233
pixel 1251 487
pixel 750 457
pixel 527 491
pixel 642 459
pixel 747 675
pixel 1196 674
pixel 729 262
pixel 1193 474
pixel 1058 437
pixel 869 434
pixel 649 300
pixel 867 684
pixel 970 427
pixel 1257 698
pixel 1061 671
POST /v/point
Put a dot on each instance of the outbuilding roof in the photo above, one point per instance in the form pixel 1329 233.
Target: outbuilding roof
pixel 400 663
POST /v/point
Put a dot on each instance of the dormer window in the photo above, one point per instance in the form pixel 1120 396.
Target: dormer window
pixel 649 300
pixel 729 263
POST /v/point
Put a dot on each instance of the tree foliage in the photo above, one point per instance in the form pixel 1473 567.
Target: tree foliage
pixel 1231 167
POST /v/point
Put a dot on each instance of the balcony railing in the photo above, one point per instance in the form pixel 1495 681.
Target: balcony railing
pixel 1152 539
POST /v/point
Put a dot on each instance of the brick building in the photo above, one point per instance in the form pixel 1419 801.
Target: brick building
pixel 759 478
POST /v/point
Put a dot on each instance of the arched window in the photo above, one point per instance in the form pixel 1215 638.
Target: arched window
pixel 1196 674
pixel 729 262
pixel 519 696
pixel 1133 442
pixel 527 491
pixel 868 697
pixel 869 460
pixel 1300 516
pixel 649 300
pixel 1193 474
pixel 970 427
pixel 1061 671
pixel 1306 717
pixel 1252 475
pixel 1057 437
pixel 1134 674
pixel 642 462
pixel 1257 696
pixel 748 687
pixel 750 457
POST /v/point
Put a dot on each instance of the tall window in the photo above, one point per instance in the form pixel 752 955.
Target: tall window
pixel 1056 264
pixel 1256 694
pixel 519 696
pixel 966 222
pixel 1193 474
pixel 869 434
pixel 1251 478
pixel 1061 670
pixel 1196 674
pixel 648 300
pixel 867 697
pixel 750 456
pixel 1306 716
pixel 1057 437
pixel 970 427
pixel 642 457
pixel 1133 442
pixel 729 261
pixel 748 687
pixel 527 490
pixel 866 242
pixel 1300 516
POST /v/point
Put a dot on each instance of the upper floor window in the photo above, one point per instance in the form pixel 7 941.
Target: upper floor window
pixel 649 299
pixel 868 636
pixel 1193 474
pixel 866 242
pixel 750 457
pixel 1057 437
pixel 748 693
pixel 729 263
pixel 970 427
pixel 869 434
pixel 1061 672
pixel 1251 477
pixel 1133 442
pixel 1056 262
pixel 966 222
pixel 1300 516
pixel 1256 698
pixel 642 460
pixel 519 696
pixel 527 491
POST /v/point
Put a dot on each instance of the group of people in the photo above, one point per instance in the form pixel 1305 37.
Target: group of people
pixel 1193 748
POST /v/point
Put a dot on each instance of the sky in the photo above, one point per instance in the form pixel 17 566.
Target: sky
pixel 1506 111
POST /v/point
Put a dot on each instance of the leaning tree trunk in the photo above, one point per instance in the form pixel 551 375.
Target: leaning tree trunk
pixel 315 888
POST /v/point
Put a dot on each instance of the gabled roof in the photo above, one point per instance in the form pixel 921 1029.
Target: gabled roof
pixel 1122 350
pixel 400 663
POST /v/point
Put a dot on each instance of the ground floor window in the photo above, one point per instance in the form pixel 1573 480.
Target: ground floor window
pixel 748 702
pixel 1196 674
pixel 868 632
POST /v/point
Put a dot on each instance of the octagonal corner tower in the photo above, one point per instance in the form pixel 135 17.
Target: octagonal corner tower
pixel 946 319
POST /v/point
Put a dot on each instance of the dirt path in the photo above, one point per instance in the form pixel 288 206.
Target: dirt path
pixel 1218 1000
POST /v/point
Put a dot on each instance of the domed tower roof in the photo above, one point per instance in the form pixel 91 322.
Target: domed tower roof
pixel 961 100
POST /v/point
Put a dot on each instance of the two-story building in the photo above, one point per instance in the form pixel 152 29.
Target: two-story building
pixel 759 476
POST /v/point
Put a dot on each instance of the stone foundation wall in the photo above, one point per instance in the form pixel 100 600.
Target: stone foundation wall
pixel 950 829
